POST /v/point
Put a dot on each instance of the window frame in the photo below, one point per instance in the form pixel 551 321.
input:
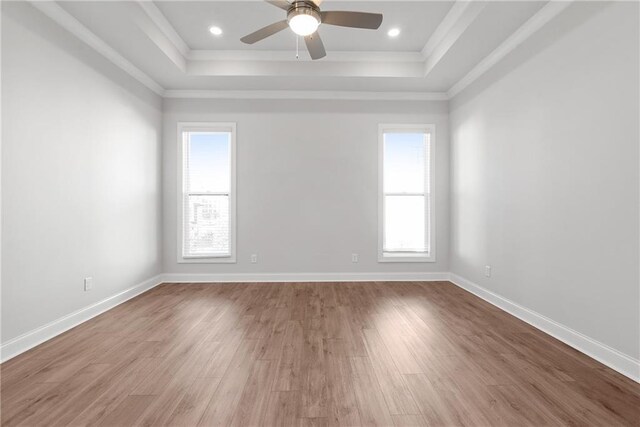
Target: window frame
pixel 430 215
pixel 181 192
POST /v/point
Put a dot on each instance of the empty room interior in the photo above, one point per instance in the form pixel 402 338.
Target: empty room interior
pixel 319 213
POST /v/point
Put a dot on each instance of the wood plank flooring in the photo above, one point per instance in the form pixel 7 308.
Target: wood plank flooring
pixel 311 354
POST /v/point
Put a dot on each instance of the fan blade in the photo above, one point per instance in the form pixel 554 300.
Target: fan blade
pixel 265 32
pixel 315 46
pixel 365 20
pixel 282 4
pixel 317 2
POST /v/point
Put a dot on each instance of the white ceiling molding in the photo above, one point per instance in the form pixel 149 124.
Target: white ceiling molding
pixel 281 56
pixel 165 26
pixel 305 68
pixel 165 45
pixel 444 27
pixel 453 27
pixel 292 94
pixel 159 31
pixel 71 24
pixel 535 23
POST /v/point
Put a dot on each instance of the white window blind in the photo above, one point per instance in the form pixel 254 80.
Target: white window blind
pixel 405 193
pixel 207 191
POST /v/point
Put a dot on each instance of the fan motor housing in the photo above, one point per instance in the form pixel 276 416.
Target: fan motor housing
pixel 303 8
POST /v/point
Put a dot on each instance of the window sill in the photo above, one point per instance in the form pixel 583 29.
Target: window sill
pixel 208 260
pixel 406 257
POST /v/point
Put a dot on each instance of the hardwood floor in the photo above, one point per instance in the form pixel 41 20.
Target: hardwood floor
pixel 311 354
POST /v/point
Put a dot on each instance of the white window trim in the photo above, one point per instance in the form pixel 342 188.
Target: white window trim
pixel 431 214
pixel 206 127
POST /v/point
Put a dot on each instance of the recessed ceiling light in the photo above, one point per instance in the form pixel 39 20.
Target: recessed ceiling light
pixel 216 31
pixel 394 32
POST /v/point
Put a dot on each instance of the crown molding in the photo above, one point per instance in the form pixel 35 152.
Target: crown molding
pixel 158 18
pixel 444 27
pixel 455 24
pixel 71 24
pixel 292 94
pixel 530 27
pixel 285 55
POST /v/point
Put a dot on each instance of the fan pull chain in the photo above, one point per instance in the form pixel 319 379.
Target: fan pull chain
pixel 297 47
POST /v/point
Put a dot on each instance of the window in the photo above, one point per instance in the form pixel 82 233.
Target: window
pixel 206 206
pixel 405 193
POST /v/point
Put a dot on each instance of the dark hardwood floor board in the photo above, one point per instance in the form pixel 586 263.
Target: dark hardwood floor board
pixel 342 405
pixel 290 360
pixel 411 420
pixel 393 338
pixel 281 410
pixel 17 407
pixel 222 356
pixel 313 422
pixel 435 336
pixel 352 333
pixel 192 404
pixel 118 389
pixel 372 406
pixel 253 405
pixel 272 347
pixel 431 403
pixel 285 296
pixel 299 301
pixel 127 412
pixel 40 408
pixel 310 354
pixel 16 378
pixel 393 387
pixel 512 406
pixel 177 385
pixel 224 402
pixel 313 397
pixel 67 410
pixel 263 325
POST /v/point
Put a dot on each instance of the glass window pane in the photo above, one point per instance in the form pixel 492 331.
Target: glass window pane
pixel 209 165
pixel 404 226
pixel 404 162
pixel 208 225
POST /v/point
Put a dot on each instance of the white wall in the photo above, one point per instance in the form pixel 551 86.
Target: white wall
pixel 545 175
pixel 306 182
pixel 80 174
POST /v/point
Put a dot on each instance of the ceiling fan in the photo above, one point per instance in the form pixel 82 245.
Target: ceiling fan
pixel 304 17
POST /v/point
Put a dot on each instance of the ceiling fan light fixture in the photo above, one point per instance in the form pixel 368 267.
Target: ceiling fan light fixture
pixel 303 21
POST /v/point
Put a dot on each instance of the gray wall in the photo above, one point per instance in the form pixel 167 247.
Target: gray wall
pixel 306 182
pixel 545 175
pixel 80 174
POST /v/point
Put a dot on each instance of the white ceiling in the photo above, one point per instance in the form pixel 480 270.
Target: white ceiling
pixel 168 42
pixel 418 20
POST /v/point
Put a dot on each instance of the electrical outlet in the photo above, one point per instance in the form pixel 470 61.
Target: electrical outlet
pixel 88 283
pixel 487 270
pixel 254 258
pixel 354 258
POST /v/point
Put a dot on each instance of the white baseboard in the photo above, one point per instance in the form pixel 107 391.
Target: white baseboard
pixel 616 360
pixel 44 333
pixel 303 277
